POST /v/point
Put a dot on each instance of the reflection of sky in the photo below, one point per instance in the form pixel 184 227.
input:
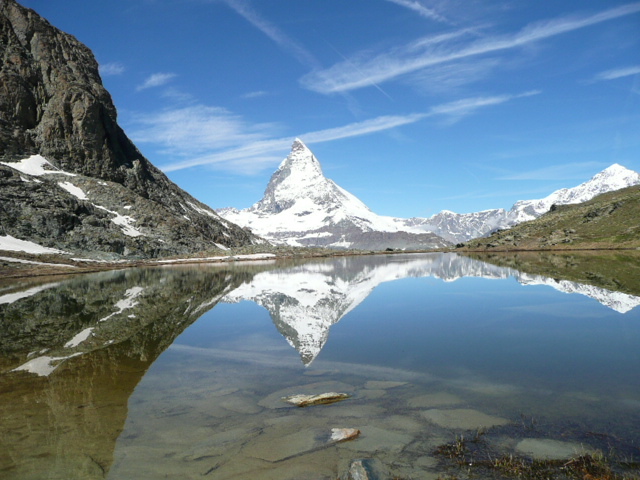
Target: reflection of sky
pixel 496 329
pixel 491 328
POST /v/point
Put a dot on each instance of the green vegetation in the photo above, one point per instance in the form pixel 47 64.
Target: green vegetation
pixel 475 459
pixel 608 221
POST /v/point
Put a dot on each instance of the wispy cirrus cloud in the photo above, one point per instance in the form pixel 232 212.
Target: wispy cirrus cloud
pixel 420 9
pixel 213 136
pixel 156 80
pixel 197 129
pixel 111 69
pixel 254 156
pixel 256 94
pixel 617 73
pixel 453 111
pixel 450 77
pixel 288 44
pixel 367 70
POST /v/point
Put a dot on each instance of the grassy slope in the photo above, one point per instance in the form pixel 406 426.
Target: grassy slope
pixel 610 220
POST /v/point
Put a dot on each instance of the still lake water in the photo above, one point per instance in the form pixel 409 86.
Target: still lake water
pixel 179 372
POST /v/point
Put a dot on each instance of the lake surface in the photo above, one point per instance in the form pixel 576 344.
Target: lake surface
pixel 179 372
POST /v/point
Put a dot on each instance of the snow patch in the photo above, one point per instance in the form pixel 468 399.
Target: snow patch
pixel 13 244
pixel 73 190
pixel 203 211
pixel 125 222
pixel 79 338
pixel 36 165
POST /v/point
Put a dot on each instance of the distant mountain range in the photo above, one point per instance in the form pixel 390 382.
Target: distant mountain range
pixel 607 221
pixel 302 207
pixel 460 227
pixel 70 178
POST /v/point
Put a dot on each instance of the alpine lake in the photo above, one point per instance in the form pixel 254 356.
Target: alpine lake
pixel 455 367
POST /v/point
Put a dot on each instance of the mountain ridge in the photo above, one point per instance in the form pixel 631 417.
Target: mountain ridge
pixel 302 207
pixel 461 227
pixel 53 106
pixel 607 221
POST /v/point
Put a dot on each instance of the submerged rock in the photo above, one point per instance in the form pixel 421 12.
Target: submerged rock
pixel 343 434
pixel 462 418
pixel 302 400
pixel 283 443
pixel 548 449
pixel 365 469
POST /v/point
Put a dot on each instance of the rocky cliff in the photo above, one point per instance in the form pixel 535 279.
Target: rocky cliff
pixel 53 104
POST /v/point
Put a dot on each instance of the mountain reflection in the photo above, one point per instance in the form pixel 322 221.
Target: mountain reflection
pixel 306 300
pixel 87 342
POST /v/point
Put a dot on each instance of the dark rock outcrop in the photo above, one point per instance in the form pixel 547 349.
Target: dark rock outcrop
pixel 53 103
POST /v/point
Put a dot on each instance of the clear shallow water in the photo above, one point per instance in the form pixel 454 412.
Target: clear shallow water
pixel 182 371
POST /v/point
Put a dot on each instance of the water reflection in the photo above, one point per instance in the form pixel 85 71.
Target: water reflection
pixel 306 300
pixel 86 343
pixel 74 351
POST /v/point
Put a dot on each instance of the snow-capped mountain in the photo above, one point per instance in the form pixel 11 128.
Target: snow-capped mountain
pixel 610 179
pixel 460 227
pixel 302 207
pixel 306 300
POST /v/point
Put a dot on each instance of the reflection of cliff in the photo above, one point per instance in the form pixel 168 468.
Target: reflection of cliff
pixel 306 300
pixel 62 419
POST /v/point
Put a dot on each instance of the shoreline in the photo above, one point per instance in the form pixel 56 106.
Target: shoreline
pixel 20 265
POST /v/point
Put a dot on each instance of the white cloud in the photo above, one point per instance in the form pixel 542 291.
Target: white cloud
pixel 194 130
pixel 253 157
pixel 618 73
pixel 256 94
pixel 450 77
pixel 420 9
pixel 289 45
pixel 466 106
pixel 156 80
pixel 365 127
pixel 113 68
pixel 428 51
pixel 213 136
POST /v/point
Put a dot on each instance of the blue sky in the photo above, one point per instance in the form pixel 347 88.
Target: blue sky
pixel 414 106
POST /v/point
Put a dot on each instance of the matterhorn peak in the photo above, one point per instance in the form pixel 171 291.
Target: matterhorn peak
pixel 301 157
pixel 299 146
pixel 298 176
